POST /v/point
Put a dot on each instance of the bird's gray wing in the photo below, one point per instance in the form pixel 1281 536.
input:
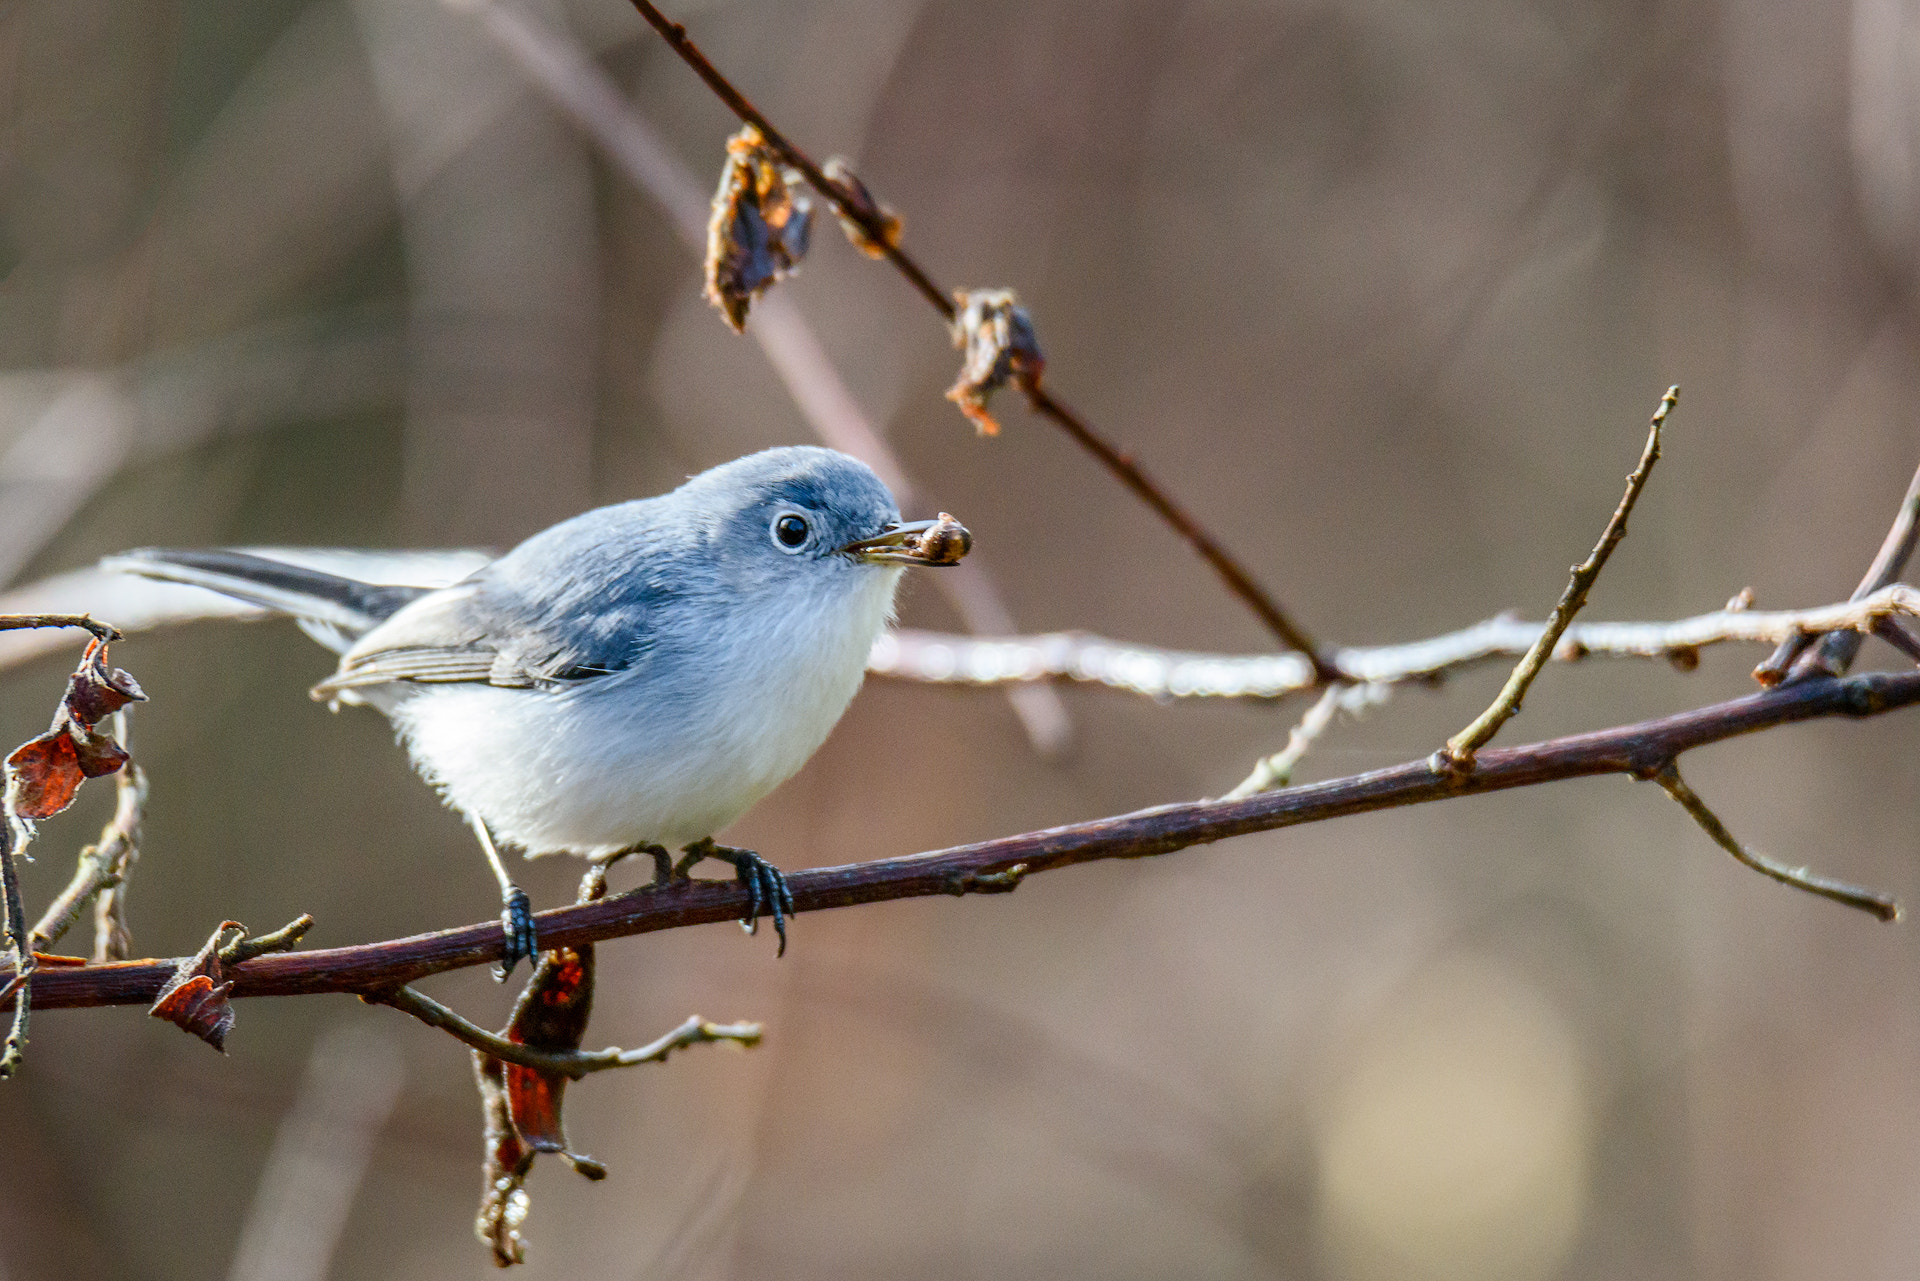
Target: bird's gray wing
pixel 461 634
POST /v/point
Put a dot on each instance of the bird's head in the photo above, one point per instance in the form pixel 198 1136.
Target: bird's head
pixel 785 512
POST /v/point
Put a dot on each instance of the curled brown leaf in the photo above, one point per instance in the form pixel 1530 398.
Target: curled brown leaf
pixel 878 217
pixel 1001 348
pixel 44 772
pixel 195 998
pixel 759 227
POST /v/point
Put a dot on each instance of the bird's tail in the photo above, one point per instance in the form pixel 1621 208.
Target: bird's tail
pixel 332 608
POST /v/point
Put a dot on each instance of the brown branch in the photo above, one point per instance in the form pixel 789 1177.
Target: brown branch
pixel 1869 901
pixel 1460 749
pixel 574 1064
pixel 1835 654
pixel 1639 750
pixel 1117 461
pixel 21 622
pixel 943 658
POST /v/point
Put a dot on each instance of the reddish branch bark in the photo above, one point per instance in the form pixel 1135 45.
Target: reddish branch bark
pixel 1638 750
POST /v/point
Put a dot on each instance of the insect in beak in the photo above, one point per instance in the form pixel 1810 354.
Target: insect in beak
pixel 922 542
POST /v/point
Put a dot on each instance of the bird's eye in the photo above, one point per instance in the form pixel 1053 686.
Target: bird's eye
pixel 791 531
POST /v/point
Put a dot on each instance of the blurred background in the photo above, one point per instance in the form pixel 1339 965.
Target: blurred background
pixel 1384 290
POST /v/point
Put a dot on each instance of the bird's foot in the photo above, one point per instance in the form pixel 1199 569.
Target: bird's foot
pixel 516 921
pixel 767 889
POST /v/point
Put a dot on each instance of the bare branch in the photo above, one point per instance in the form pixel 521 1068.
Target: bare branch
pixel 19 987
pixel 1277 770
pixel 944 659
pixel 1638 750
pixel 101 868
pixel 1800 878
pixel 1461 747
pixel 572 1065
pixel 566 73
pixel 1835 654
pixel 22 622
pixel 870 218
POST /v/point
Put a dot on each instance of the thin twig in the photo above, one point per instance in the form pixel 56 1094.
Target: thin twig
pixel 566 73
pixel 1638 750
pixel 1835 654
pixel 20 985
pixel 943 658
pixel 1800 878
pixel 101 868
pixel 1117 461
pixel 574 1064
pixel 19 622
pixel 1458 753
pixel 1277 770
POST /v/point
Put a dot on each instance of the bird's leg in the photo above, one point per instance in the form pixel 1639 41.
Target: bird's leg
pixel 767 889
pixel 516 909
pixel 662 863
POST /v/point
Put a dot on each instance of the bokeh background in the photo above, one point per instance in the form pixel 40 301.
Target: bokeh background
pixel 1384 290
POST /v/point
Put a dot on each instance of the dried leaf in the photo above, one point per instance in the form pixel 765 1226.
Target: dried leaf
pixel 759 228
pixel 945 542
pixel 44 773
pixel 551 1014
pixel 195 998
pixel 503 1196
pixel 521 1108
pixel 1001 348
pixel 860 198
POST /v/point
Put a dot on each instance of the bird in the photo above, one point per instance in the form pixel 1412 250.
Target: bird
pixel 630 680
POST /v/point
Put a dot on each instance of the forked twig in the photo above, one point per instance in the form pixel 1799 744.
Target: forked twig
pixel 1637 750
pixel 574 1065
pixel 1117 461
pixel 1834 654
pixel 1870 901
pixel 1458 753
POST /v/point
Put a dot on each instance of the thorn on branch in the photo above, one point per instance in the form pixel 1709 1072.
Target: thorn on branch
pixel 1460 748
pixel 759 228
pixel 1001 348
pixel 1871 902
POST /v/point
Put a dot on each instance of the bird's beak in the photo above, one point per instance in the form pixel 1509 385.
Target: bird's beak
pixel 921 542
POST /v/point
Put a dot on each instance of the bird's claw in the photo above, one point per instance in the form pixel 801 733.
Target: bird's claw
pixel 766 885
pixel 516 922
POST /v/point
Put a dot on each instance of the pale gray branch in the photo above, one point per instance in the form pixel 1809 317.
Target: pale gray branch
pixel 945 659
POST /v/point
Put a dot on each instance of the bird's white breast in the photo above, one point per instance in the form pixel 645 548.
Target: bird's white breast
pixel 666 752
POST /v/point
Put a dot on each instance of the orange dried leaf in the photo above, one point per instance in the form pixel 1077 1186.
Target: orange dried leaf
pixel 551 1015
pixel 1001 347
pixel 44 773
pixel 759 227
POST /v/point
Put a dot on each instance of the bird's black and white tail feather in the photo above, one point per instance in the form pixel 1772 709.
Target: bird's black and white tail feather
pixel 332 608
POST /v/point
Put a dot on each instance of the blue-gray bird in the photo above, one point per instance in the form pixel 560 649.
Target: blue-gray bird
pixel 632 679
